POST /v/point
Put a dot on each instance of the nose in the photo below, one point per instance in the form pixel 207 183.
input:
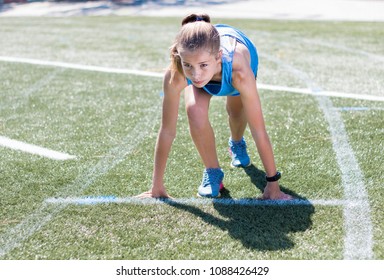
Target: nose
pixel 196 74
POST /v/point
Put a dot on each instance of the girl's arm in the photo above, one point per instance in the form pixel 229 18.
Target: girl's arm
pixel 244 82
pixel 167 132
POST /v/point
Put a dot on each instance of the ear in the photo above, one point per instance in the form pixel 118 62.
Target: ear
pixel 219 55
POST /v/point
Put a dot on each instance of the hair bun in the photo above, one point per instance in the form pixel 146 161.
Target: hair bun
pixel 195 17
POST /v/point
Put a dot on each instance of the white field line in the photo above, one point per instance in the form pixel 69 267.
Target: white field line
pixel 359 109
pixel 321 92
pixel 15 236
pixel 80 66
pixel 192 201
pixel 33 149
pixel 358 240
pixel 44 81
pixel 160 75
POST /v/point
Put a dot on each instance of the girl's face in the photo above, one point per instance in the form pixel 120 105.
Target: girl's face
pixel 200 66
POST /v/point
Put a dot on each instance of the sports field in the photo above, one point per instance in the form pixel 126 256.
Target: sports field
pixel 80 105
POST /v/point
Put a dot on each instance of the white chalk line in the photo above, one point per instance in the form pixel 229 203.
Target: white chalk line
pixel 80 66
pixel 30 148
pixel 15 236
pixel 322 93
pixel 160 75
pixel 33 149
pixel 92 200
pixel 358 239
pixel 357 109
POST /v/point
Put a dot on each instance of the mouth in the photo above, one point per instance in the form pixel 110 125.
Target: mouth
pixel 198 83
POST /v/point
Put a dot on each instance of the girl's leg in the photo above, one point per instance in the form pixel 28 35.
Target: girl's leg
pixel 236 117
pixel 237 124
pixel 197 105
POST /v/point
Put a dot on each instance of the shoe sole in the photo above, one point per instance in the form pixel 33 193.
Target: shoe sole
pixel 198 195
pixel 240 166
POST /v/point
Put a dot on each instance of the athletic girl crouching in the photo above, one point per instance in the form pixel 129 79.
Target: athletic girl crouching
pixel 213 60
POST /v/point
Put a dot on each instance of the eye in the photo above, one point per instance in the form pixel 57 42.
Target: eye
pixel 204 65
pixel 187 65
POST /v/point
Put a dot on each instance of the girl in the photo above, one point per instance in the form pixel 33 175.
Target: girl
pixel 206 61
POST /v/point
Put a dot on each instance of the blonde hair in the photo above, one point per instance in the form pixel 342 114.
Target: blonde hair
pixel 196 33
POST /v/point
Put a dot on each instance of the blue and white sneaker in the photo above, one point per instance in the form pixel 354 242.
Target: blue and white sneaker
pixel 212 183
pixel 238 152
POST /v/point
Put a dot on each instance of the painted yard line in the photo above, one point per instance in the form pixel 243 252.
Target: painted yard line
pixel 160 75
pixel 354 108
pixel 358 240
pixel 319 92
pixel 191 201
pixel 359 109
pixel 44 81
pixel 22 98
pixel 15 236
pixel 80 66
pixel 33 149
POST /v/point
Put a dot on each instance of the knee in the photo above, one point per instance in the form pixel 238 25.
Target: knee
pixel 197 116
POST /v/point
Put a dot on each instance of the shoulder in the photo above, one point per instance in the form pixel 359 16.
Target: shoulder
pixel 241 68
pixel 174 81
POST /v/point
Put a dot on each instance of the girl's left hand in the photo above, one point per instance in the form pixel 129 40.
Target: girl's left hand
pixel 272 192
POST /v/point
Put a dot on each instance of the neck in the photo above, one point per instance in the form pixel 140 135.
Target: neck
pixel 217 76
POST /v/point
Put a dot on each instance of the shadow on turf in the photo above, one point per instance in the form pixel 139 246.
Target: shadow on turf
pixel 264 227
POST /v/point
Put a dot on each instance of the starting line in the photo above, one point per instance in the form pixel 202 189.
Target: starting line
pixel 33 149
pixel 92 200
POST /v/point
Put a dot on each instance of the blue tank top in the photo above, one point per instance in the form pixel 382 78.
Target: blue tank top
pixel 228 38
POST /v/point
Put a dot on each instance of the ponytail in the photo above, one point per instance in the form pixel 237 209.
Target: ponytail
pixel 194 17
pixel 175 62
pixel 196 32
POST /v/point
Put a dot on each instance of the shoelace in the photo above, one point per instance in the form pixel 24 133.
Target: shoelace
pixel 239 149
pixel 212 176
